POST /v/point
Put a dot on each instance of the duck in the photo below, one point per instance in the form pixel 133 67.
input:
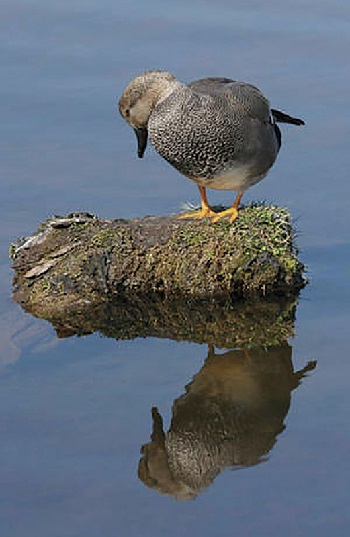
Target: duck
pixel 220 133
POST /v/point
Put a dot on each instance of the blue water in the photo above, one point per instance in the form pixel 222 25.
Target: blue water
pixel 74 413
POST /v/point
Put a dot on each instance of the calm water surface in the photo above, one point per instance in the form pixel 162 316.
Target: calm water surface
pixel 74 413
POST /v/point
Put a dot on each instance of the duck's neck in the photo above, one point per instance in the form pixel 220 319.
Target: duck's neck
pixel 160 91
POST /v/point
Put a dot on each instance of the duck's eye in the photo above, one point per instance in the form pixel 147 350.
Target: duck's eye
pixel 127 112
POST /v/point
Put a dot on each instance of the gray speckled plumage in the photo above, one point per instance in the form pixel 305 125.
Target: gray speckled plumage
pixel 220 133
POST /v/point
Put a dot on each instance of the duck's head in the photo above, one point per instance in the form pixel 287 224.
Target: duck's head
pixel 139 99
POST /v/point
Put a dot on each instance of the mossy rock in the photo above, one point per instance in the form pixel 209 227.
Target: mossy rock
pixel 79 261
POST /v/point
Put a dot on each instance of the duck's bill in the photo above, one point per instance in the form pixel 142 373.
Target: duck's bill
pixel 141 135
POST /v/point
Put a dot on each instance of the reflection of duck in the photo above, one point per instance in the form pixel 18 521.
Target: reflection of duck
pixel 230 415
pixel 220 133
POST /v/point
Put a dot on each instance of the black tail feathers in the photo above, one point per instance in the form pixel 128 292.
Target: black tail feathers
pixel 281 117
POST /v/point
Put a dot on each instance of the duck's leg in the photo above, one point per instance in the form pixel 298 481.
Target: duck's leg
pixel 205 212
pixel 232 212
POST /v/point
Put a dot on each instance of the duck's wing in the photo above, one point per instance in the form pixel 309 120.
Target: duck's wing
pixel 243 98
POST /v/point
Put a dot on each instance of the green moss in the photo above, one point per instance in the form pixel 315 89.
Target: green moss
pixel 106 238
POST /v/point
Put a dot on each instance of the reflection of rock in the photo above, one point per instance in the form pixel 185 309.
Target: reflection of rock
pixel 230 415
pixel 227 323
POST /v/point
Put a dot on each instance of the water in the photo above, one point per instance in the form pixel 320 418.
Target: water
pixel 74 413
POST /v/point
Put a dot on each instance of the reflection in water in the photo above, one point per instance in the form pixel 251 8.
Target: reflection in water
pixel 233 410
pixel 18 331
pixel 220 320
pixel 230 416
